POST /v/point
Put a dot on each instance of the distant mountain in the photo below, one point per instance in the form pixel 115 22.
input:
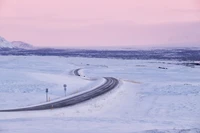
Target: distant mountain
pixel 22 45
pixel 15 44
pixel 4 43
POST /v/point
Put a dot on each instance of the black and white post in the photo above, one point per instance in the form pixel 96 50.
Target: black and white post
pixel 65 89
pixel 47 94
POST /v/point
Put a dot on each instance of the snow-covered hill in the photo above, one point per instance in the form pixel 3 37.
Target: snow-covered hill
pixel 4 43
pixel 15 44
pixel 23 45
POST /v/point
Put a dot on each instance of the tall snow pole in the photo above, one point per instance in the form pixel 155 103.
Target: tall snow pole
pixel 65 88
pixel 47 94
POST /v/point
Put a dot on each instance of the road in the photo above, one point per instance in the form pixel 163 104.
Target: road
pixel 110 84
pixel 76 72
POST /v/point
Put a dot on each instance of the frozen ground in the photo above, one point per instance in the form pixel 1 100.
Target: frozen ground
pixel 148 99
pixel 24 78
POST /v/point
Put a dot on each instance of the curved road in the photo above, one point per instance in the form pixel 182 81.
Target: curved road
pixel 110 84
pixel 76 72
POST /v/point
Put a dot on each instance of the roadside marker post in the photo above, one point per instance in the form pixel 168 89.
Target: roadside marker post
pixel 47 94
pixel 65 89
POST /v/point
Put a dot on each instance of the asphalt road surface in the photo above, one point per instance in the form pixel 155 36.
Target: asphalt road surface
pixel 110 84
pixel 76 72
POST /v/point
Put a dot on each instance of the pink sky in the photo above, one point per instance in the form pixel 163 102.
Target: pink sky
pixel 73 23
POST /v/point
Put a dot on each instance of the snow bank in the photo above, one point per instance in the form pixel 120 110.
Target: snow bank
pixel 148 99
pixel 23 80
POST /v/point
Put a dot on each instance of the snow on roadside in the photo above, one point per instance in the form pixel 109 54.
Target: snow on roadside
pixel 23 80
pixel 157 101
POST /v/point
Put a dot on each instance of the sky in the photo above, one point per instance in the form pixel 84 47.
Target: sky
pixel 96 23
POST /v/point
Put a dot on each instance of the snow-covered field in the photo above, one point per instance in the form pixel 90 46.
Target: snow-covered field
pixel 148 99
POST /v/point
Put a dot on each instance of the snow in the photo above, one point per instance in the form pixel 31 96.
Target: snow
pixel 147 100
pixel 4 43
pixel 15 44
pixel 32 77
pixel 20 44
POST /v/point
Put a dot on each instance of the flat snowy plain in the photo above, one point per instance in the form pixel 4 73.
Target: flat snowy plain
pixel 148 99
